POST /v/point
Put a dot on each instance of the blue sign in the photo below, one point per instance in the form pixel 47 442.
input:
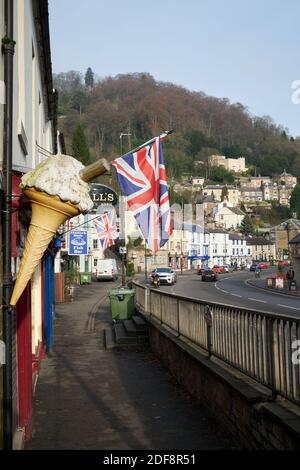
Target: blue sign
pixel 78 242
pixel 198 257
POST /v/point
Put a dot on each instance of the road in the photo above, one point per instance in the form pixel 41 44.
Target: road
pixel 232 289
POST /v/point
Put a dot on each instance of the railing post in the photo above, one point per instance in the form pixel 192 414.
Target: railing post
pixel 146 299
pixel 178 326
pixel 209 319
pixel 270 346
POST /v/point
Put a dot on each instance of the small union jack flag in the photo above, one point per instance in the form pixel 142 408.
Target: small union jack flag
pixel 142 179
pixel 106 229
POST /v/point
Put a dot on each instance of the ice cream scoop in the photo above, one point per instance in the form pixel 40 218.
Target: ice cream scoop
pixel 57 189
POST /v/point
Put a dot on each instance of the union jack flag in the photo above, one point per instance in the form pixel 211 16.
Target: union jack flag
pixel 106 229
pixel 142 179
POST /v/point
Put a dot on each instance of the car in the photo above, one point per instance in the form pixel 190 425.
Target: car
pixel 209 275
pixel 218 269
pixel 283 263
pixel 253 267
pixel 263 265
pixel 166 275
pixel 227 268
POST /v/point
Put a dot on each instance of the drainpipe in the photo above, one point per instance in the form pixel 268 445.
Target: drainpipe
pixel 8 53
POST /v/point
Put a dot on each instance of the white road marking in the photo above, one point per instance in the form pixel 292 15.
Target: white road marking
pixel 286 306
pixel 219 288
pixel 256 300
pixel 236 295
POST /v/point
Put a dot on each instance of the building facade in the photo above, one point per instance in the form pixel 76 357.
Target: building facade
pixel 216 191
pixel 33 137
pixel 261 248
pixel 228 217
pixel 235 165
pixel 239 255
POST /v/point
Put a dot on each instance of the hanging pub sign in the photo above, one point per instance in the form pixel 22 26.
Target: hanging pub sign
pixel 78 242
pixel 101 194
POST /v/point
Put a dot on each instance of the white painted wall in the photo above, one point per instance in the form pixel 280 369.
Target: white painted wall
pixel 29 105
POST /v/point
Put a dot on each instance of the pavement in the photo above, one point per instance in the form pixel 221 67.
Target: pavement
pixel 262 284
pixel 94 399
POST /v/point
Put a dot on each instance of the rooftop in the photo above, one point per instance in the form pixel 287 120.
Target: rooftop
pixel 258 241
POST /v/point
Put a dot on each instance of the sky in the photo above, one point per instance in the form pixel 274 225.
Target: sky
pixel 244 50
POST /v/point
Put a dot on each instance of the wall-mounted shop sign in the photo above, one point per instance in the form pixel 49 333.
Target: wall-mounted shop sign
pixel 101 194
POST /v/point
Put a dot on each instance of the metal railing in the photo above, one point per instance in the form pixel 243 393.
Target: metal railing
pixel 264 346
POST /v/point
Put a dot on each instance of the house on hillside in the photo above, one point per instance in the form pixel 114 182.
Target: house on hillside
pixel 286 179
pixel 254 181
pixel 252 195
pixel 217 190
pixel 235 165
pixel 228 217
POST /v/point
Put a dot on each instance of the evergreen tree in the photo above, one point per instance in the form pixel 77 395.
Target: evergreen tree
pixel 224 194
pixel 80 146
pixel 295 200
pixel 89 78
pixel 247 227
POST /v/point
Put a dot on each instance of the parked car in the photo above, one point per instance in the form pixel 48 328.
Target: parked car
pixel 219 269
pixel 263 265
pixel 166 275
pixel 209 275
pixel 227 268
pixel 253 267
pixel 283 263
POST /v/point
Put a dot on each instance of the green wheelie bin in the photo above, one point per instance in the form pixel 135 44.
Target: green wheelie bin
pixel 122 303
pixel 85 278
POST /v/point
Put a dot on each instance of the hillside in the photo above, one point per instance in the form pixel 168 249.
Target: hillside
pixel 144 107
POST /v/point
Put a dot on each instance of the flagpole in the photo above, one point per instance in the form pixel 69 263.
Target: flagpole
pixel 146 267
pixel 161 136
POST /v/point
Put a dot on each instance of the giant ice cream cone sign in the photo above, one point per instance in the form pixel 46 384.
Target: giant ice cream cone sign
pixel 58 190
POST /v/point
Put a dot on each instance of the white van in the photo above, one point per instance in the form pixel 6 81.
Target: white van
pixel 105 269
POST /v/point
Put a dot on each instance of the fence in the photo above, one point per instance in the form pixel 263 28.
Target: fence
pixel 264 346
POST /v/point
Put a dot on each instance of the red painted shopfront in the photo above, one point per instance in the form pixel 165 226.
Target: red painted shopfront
pixel 27 363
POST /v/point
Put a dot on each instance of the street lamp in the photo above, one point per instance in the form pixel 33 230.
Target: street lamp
pixel 128 134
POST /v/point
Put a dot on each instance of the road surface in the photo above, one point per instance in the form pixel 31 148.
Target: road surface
pixel 232 289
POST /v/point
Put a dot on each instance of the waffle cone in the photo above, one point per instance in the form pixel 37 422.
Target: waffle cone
pixel 48 213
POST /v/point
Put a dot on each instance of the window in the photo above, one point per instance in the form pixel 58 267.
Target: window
pixel 95 243
pixel 95 263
